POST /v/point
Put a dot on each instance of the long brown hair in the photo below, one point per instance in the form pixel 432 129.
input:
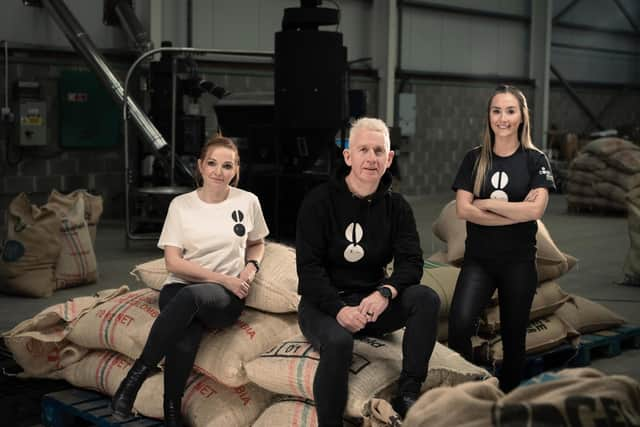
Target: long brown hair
pixel 220 141
pixel 483 163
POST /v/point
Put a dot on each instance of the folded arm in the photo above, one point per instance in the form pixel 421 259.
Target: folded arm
pixel 531 209
pixel 468 210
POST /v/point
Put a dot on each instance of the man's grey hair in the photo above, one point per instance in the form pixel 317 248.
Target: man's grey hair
pixel 371 124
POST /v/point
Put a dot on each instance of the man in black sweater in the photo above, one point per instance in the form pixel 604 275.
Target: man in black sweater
pixel 348 230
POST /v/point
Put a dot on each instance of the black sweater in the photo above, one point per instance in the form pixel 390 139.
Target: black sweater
pixel 385 230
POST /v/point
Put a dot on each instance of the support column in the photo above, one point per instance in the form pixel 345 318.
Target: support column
pixel 539 67
pixel 156 9
pixel 384 52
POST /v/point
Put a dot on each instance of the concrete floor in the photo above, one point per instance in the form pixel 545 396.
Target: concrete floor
pixel 599 242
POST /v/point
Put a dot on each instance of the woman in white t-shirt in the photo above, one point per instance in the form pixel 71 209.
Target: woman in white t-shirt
pixel 213 241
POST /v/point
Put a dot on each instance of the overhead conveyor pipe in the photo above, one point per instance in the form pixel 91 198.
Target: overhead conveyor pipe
pixel 82 43
pixel 132 26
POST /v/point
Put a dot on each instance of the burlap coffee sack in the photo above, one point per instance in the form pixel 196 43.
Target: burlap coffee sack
pixel 586 162
pixel 605 147
pixel 610 191
pixel 439 257
pixel 581 189
pixel 588 316
pixel 39 344
pixel 204 403
pixel 92 207
pixel 583 177
pixel 274 289
pixel 290 368
pixel 123 325
pixel 625 180
pixel 597 203
pixel 380 413
pixel 30 250
pixel 581 397
pixel 551 262
pixel 451 230
pixel 76 263
pixel 293 412
pixel 542 334
pixel 548 298
pixel 223 354
pixel 442 279
pixel 632 261
pixel 627 161
pixel 152 273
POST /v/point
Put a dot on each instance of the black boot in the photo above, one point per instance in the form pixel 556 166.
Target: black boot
pixel 122 401
pixel 401 402
pixel 172 415
pixel 408 394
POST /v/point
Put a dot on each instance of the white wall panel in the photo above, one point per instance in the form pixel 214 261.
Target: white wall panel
pixel 439 41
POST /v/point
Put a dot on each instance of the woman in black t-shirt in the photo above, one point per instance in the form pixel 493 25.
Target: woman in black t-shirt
pixel 501 190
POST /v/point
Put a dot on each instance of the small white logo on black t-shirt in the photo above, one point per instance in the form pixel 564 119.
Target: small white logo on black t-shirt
pixel 499 181
pixel 353 252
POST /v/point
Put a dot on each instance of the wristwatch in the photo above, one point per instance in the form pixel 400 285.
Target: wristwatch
pixel 255 263
pixel 385 292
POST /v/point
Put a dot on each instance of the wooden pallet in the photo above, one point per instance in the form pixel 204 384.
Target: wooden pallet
pixel 75 407
pixel 606 343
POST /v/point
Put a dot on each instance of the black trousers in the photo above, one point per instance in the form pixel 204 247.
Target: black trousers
pixel 516 282
pixel 186 311
pixel 416 308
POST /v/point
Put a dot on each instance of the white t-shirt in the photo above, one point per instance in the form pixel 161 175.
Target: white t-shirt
pixel 214 235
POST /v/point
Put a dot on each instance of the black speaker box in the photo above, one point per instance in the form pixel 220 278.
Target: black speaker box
pixel 310 73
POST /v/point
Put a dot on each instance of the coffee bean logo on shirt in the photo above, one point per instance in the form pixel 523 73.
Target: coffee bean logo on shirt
pixel 499 181
pixel 354 252
pixel 239 228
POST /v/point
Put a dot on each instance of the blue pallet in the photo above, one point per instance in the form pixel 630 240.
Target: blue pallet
pixel 607 343
pixel 67 407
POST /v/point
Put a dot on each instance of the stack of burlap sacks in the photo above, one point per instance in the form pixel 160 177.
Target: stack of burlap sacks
pixel 50 247
pixel 604 173
pixel 632 262
pixel 556 317
pixel 258 372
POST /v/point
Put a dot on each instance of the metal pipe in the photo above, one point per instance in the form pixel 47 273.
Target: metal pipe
pixel 174 90
pixel 576 98
pixel 595 49
pixel 189 23
pixel 79 39
pixel 465 11
pixel 132 26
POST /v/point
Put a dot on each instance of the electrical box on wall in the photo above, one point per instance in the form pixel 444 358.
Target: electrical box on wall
pixel 32 114
pixel 33 123
pixel 407 113
pixel 88 117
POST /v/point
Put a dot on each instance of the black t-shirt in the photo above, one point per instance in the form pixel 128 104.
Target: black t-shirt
pixel 510 178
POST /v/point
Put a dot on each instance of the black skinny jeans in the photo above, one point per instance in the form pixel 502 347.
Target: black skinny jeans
pixel 186 311
pixel 516 282
pixel 416 308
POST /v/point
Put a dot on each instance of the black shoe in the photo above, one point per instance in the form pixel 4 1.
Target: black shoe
pixel 403 401
pixel 172 415
pixel 122 401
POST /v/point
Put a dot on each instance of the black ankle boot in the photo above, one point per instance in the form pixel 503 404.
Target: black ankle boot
pixel 408 394
pixel 403 401
pixel 172 415
pixel 122 401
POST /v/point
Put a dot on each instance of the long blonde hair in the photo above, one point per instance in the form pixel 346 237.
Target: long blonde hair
pixel 483 163
pixel 218 140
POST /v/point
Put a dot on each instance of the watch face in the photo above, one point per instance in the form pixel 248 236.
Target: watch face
pixel 386 292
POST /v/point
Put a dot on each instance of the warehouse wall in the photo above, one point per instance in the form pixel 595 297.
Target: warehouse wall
pixel 478 42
